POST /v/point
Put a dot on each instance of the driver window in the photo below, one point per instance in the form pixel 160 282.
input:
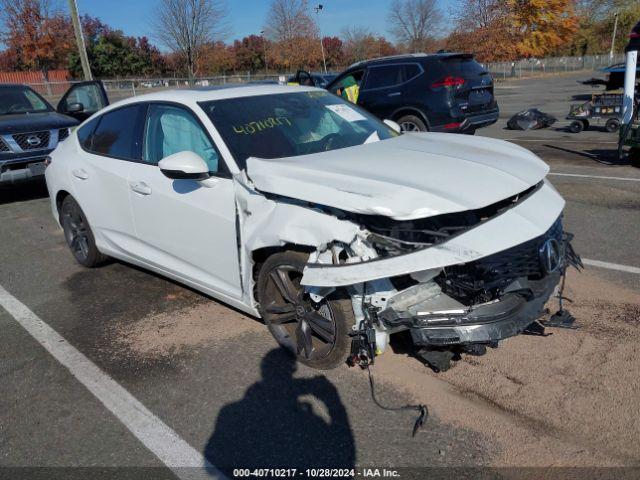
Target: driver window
pixel 347 81
pixel 171 130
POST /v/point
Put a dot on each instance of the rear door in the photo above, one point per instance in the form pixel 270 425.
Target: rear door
pixel 108 147
pixel 385 88
pixel 83 100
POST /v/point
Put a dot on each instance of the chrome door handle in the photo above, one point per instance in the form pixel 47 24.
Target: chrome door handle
pixel 80 173
pixel 394 94
pixel 141 188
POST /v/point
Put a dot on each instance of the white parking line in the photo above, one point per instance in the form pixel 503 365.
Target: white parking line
pixel 611 266
pixel 601 177
pixel 173 451
pixel 558 140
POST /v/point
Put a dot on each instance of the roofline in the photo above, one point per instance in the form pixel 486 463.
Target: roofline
pixel 408 56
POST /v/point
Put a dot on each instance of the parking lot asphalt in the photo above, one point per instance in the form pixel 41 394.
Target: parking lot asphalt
pixel 215 378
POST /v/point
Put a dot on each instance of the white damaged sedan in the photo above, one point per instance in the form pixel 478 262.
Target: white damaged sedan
pixel 298 207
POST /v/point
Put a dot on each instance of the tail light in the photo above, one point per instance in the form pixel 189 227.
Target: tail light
pixel 449 82
pixel 451 126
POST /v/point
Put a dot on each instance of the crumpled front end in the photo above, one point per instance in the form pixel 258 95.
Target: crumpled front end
pixel 462 278
pixel 459 279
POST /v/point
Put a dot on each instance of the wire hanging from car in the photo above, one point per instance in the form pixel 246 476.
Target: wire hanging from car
pixel 423 411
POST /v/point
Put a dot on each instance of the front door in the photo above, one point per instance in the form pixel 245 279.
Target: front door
pixel 185 229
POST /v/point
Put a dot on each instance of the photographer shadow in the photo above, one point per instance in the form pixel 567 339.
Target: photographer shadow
pixel 283 422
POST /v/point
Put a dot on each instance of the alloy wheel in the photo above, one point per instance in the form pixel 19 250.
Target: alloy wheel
pixel 306 328
pixel 76 232
pixel 409 127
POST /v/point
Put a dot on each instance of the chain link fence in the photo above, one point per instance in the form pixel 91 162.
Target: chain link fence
pixel 550 66
pixel 118 89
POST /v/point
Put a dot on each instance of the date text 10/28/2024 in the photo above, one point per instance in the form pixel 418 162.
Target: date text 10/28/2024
pixel 316 472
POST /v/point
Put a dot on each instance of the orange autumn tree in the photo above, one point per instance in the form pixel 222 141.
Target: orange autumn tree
pixel 40 40
pixel 499 30
pixel 542 26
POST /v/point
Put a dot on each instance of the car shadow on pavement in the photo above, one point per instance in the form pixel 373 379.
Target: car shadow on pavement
pixel 22 192
pixel 602 156
pixel 283 422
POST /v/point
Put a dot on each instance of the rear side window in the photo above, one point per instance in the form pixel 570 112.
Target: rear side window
pixel 119 133
pixel 391 75
pixel 85 133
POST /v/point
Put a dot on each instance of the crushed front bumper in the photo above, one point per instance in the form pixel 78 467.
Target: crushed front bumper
pixel 479 324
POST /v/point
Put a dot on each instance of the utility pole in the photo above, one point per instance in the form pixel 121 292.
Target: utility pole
pixel 82 50
pixel 613 38
pixel 264 44
pixel 324 62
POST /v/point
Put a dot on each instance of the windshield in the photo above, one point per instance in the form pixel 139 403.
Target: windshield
pixel 290 124
pixel 21 100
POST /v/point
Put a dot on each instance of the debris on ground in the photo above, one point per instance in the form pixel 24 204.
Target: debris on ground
pixel 530 119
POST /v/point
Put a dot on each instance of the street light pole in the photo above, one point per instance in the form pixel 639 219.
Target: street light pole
pixel 82 50
pixel 324 61
pixel 613 38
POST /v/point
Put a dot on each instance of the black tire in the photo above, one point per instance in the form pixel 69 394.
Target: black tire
pixel 576 126
pixel 612 125
pixel 317 334
pixel 78 234
pixel 411 123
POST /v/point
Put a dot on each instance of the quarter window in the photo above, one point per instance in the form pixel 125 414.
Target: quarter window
pixel 118 133
pixel 172 129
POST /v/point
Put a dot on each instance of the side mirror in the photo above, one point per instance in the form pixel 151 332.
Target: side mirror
pixel 184 165
pixel 75 107
pixel 393 125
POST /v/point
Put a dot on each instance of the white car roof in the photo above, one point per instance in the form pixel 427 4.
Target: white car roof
pixel 191 96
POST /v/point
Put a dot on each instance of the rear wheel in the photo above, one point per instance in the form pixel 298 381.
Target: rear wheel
pixel 78 234
pixel 612 125
pixel 412 123
pixel 576 126
pixel 316 333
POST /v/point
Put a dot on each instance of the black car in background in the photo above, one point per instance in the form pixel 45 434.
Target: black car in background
pixel 313 79
pixel 443 92
pixel 30 128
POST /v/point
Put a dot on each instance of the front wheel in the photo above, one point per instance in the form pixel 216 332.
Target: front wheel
pixel 576 126
pixel 78 234
pixel 316 333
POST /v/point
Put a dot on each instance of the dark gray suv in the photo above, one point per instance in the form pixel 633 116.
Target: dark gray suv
pixel 444 92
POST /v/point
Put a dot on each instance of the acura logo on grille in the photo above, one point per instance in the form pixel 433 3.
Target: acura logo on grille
pixel 550 255
pixel 33 140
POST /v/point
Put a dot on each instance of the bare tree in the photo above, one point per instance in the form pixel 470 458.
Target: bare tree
pixel 289 19
pixel 185 26
pixel 415 23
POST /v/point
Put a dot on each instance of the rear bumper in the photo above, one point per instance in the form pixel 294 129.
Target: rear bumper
pixel 19 170
pixel 483 324
pixel 469 123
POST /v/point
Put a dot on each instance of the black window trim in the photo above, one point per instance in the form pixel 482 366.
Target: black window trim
pixel 224 172
pixel 395 85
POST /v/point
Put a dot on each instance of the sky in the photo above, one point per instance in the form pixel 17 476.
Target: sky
pixel 247 17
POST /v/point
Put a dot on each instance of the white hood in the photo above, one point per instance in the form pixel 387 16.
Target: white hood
pixel 411 176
